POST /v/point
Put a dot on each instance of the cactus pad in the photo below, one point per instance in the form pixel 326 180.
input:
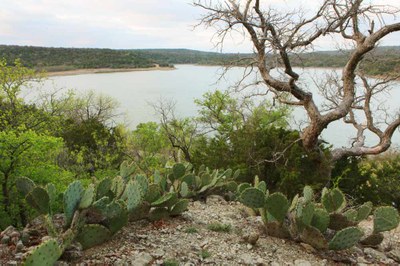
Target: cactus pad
pixel 153 193
pixel 143 183
pixel 385 219
pixel 363 211
pixel 262 186
pixel 24 185
pixel 253 198
pixel 184 191
pixel 275 229
pixel 117 186
pixel 132 195
pixel 157 214
pixel 372 240
pixel 320 219
pixel 305 213
pixel 126 170
pixel 277 206
pixel 178 170
pixel 338 221
pixel 351 215
pixel 103 188
pixel 46 254
pixel 117 217
pixel 92 235
pixel 333 200
pixel 39 199
pixel 308 193
pixel 179 207
pixel 87 197
pixel 72 197
pixel 167 200
pixel 314 237
pixel 345 238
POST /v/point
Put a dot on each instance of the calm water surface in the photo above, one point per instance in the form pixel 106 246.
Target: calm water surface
pixel 136 90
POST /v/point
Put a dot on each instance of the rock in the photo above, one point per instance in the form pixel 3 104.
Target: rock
pixel 5 240
pixel 247 259
pixel 213 199
pixel 12 263
pixel 302 263
pixel 251 237
pixel 395 255
pixel 249 246
pixel 20 246
pixel 142 259
pixel 8 231
pixel 15 234
pixel 159 253
pixel 375 254
pixel 308 248
pixel 25 237
pixel 19 256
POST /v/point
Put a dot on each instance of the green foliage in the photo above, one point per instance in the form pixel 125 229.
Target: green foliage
pixel 372 179
pixel 191 230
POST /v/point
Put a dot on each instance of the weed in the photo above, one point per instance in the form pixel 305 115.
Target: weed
pixel 218 227
pixel 191 230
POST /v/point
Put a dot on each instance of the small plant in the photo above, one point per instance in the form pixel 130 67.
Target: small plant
pixel 204 254
pixel 218 227
pixel 171 262
pixel 191 230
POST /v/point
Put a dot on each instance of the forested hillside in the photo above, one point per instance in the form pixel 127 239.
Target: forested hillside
pixel 383 60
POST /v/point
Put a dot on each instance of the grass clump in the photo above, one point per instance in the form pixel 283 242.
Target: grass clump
pixel 204 254
pixel 191 230
pixel 218 227
pixel 171 262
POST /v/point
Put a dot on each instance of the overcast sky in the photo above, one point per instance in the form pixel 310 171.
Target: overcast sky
pixel 120 24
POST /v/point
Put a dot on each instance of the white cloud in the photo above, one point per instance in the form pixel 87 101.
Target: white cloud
pixel 121 24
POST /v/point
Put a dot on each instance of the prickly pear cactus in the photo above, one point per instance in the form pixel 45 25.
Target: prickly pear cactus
pixel 304 213
pixel 308 193
pixel 126 170
pixel 46 254
pixel 117 186
pixel 24 185
pixel 178 170
pixel 132 195
pixel 167 200
pixel 157 214
pixel 364 211
pixel 117 216
pixel 385 219
pixel 277 206
pixel 320 219
pixel 39 199
pixel 313 236
pixel 52 192
pixel 72 197
pixel 262 186
pixel 372 240
pixel 143 183
pixel 338 221
pixel 153 193
pixel 87 197
pixel 92 235
pixel 333 200
pixel 179 207
pixel 184 191
pixel 103 188
pixel 345 238
pixel 253 198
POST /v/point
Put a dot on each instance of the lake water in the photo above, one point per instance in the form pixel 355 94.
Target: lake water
pixel 136 90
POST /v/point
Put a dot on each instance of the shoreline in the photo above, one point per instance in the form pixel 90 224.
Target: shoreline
pixel 83 71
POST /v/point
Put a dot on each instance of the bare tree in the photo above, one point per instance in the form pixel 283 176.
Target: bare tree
pixel 277 36
pixel 180 132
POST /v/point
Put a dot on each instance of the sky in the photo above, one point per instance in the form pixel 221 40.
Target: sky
pixel 124 24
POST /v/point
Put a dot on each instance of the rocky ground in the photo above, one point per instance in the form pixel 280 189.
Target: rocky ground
pixel 217 232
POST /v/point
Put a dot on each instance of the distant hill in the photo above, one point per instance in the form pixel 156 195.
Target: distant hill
pixel 383 60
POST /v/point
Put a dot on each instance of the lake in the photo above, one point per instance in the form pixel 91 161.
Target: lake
pixel 136 90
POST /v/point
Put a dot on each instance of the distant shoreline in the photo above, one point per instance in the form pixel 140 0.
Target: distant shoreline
pixel 83 71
